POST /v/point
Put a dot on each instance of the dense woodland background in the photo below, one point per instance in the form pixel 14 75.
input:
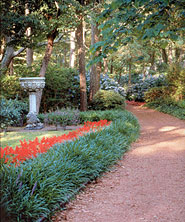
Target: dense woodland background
pixel 83 46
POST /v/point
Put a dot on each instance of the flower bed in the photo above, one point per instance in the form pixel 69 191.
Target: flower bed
pixel 32 148
pixel 40 186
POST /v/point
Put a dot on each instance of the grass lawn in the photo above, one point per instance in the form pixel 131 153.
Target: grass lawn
pixel 13 138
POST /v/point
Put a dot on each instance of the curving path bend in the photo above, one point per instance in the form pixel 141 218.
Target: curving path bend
pixel 147 185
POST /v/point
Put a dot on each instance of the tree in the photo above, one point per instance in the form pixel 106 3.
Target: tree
pixel 72 49
pixel 81 57
pixel 14 23
pixel 95 68
pixel 155 19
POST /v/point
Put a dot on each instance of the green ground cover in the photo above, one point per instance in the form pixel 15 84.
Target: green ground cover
pixel 39 186
pixel 171 107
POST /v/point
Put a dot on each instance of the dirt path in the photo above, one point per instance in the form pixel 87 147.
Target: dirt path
pixel 147 185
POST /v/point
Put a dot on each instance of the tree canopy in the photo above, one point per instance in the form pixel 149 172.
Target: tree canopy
pixel 122 20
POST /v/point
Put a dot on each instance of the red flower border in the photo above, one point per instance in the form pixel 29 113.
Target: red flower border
pixel 30 149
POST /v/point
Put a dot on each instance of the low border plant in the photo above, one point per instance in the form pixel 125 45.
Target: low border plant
pixel 169 106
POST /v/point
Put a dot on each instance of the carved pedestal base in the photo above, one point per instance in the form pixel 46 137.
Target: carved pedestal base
pixel 33 123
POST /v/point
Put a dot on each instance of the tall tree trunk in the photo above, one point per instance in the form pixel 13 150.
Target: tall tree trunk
pixel 72 50
pixel 96 68
pixel 29 51
pixel 170 54
pixel 2 48
pixel 9 54
pixel 130 73
pixel 49 49
pixel 152 60
pixel 111 66
pixel 81 56
pixel 177 54
pixel 45 62
pixel 29 57
pixel 164 56
pixel 105 64
pixel 99 64
pixel 11 69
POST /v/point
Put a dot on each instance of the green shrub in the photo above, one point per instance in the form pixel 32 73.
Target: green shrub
pixel 12 112
pixel 108 99
pixel 62 117
pixel 157 93
pixel 97 115
pixel 176 80
pixel 10 87
pixel 61 89
pixel 40 185
pixel 10 84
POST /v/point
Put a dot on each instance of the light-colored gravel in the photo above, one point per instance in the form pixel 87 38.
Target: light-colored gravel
pixel 147 185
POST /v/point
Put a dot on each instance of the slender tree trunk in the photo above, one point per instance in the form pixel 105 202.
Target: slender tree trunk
pixel 105 66
pixel 45 62
pixel 11 69
pixel 49 49
pixel 72 50
pixel 152 60
pixel 164 56
pixel 29 51
pixel 170 54
pixel 2 48
pixel 111 66
pixel 9 54
pixel 7 58
pixel 177 54
pixel 81 56
pixel 99 64
pixel 96 68
pixel 130 73
pixel 29 57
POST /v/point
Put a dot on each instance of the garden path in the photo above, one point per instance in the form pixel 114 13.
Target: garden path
pixel 147 185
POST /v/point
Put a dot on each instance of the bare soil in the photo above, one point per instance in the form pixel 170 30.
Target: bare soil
pixel 147 185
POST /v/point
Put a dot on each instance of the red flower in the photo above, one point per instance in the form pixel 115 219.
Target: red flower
pixel 30 149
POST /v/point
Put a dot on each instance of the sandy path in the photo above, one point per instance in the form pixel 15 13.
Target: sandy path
pixel 147 185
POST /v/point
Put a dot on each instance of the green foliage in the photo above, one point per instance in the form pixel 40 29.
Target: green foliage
pixel 41 185
pixel 10 86
pixel 12 112
pixel 121 20
pixel 157 93
pixel 61 89
pixel 176 80
pixel 169 106
pixel 97 115
pixel 14 22
pixel 108 99
pixel 61 117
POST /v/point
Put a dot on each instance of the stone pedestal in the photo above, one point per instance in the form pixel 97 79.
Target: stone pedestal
pixel 32 85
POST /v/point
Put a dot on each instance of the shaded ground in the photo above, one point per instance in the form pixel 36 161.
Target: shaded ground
pixel 46 128
pixel 147 185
